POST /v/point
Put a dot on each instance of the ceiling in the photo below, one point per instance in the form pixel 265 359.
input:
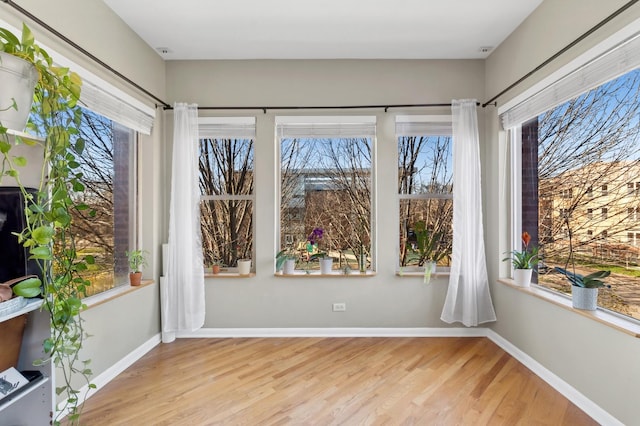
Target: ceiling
pixel 323 29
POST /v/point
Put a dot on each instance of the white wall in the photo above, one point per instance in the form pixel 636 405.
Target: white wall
pixel 598 361
pixel 123 324
pixel 267 301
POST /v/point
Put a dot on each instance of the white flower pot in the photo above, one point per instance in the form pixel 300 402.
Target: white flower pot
pixel 244 266
pixel 17 81
pixel 584 298
pixel 522 277
pixel 289 266
pixel 326 265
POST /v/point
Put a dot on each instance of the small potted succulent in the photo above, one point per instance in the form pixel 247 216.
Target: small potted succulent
pixel 523 261
pixel 215 267
pixel 136 259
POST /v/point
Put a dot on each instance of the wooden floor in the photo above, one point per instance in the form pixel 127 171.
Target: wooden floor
pixel 329 381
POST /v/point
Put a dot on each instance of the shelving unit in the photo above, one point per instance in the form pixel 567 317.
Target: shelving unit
pixel 33 404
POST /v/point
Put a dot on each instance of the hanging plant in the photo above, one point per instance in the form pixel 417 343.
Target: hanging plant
pixel 48 236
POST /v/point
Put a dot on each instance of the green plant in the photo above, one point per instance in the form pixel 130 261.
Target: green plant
pixel 428 243
pixel 27 287
pixel 593 280
pixel 527 258
pixel 136 259
pixel 48 235
pixel 284 255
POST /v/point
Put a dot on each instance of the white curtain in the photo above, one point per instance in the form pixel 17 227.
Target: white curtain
pixel 183 293
pixel 468 300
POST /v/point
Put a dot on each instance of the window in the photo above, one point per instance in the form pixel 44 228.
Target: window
pixel 107 229
pixel 567 193
pixel 590 192
pixel 633 188
pixel 425 190
pixel 326 181
pixel 593 138
pixel 226 181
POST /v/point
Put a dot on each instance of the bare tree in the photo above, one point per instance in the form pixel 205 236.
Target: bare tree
pixel 588 164
pixel 424 169
pixel 226 174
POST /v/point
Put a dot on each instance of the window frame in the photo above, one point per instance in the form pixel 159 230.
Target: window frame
pixel 327 127
pixel 241 127
pixel 435 125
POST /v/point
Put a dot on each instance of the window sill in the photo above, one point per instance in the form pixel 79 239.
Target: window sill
pixel 618 322
pixel 114 293
pixel 317 274
pixel 443 274
pixel 229 275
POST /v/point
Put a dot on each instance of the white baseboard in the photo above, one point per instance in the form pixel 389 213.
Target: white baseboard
pixel 568 391
pixel 112 372
pixel 334 332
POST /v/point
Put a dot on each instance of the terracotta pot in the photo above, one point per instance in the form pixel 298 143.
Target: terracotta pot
pixel 135 278
pixel 11 341
pixel 215 269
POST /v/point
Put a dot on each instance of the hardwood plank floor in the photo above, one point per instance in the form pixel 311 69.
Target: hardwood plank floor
pixel 330 381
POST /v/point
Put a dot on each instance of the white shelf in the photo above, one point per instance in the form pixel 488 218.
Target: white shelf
pixel 24 135
pixel 30 387
pixel 31 305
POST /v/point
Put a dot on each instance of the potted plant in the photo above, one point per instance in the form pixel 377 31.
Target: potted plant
pixel 313 242
pixel 215 267
pixel 244 266
pixel 286 261
pixel 584 288
pixel 49 236
pixel 136 259
pixel 523 261
pixel 429 247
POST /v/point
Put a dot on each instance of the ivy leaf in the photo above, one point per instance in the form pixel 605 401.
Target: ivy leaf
pixel 41 253
pixel 20 161
pixel 28 288
pixel 5 147
pixel 43 234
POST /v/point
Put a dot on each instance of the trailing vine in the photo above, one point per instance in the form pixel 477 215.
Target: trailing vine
pixel 48 236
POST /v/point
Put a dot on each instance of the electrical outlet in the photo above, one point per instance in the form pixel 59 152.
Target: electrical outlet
pixel 339 307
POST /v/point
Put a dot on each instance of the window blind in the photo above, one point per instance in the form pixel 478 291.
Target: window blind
pixel 613 63
pixel 423 125
pixel 326 127
pixel 115 108
pixel 227 127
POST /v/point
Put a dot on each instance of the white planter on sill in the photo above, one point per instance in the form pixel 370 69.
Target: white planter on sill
pixel 522 277
pixel 244 266
pixel 584 298
pixel 289 266
pixel 326 265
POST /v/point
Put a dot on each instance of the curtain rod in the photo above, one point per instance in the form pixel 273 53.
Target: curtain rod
pixel 562 51
pixel 84 51
pixel 386 107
